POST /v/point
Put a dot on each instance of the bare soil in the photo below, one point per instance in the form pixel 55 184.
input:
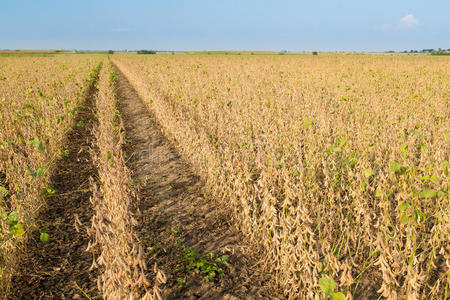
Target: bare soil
pixel 53 270
pixel 173 214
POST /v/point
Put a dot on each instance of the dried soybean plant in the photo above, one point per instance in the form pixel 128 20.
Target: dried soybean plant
pixel 39 97
pixel 121 257
pixel 336 166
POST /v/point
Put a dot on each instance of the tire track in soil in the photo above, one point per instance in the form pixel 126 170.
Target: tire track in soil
pixel 171 210
pixel 50 270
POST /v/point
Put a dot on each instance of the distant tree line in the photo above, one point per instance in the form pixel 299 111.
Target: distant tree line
pixel 146 52
pixel 439 51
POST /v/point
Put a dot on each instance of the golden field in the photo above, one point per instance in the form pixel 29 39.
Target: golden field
pixel 335 166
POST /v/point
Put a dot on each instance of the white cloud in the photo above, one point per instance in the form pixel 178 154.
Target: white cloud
pixel 409 21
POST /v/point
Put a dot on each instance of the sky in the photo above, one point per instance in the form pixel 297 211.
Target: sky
pixel 338 25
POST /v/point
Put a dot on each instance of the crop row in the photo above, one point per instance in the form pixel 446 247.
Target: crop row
pixel 38 100
pixel 121 257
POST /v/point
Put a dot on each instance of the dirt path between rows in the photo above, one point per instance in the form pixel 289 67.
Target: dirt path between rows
pixel 53 270
pixel 174 215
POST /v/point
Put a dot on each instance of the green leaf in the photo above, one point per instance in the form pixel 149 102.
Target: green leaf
pixel 368 173
pixel 378 193
pixel 40 147
pixel 3 192
pixel 420 216
pixel 364 186
pixel 425 178
pixel 434 179
pixel 333 149
pixel 327 285
pixel 337 149
pixel 444 166
pixel 223 260
pixel 446 136
pixel 17 230
pixel 40 172
pixel 427 193
pixel 31 172
pixel 181 280
pixel 404 148
pixel 48 191
pixel 13 218
pixel 374 253
pixel 423 148
pixel 395 166
pixel 307 122
pixel 43 229
pixel 441 194
pixel 404 219
pixel 33 141
pixel 45 237
pixel 338 296
pixel 403 207
pixel 342 142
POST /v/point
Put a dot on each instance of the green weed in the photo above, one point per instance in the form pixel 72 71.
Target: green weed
pixel 203 264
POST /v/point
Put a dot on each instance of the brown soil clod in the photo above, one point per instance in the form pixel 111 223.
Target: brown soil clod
pixel 59 269
pixel 174 215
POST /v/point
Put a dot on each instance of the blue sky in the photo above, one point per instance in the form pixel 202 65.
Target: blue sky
pixel 337 25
